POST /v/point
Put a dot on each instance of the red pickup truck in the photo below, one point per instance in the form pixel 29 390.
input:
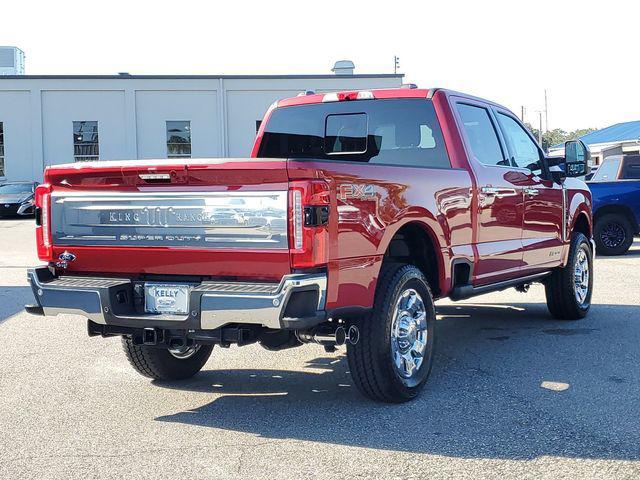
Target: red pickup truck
pixel 356 212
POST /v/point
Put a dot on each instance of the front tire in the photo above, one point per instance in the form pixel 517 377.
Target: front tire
pixel 164 364
pixel 392 360
pixel 569 288
pixel 613 234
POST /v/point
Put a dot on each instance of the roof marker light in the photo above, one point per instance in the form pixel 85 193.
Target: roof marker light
pixel 331 97
pixel 365 95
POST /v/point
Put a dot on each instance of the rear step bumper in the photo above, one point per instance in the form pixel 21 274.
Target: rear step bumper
pixel 298 301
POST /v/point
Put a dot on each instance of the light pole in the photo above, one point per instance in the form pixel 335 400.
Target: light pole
pixel 546 112
pixel 539 112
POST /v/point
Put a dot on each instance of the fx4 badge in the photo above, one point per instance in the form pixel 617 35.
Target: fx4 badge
pixel 65 257
pixel 348 191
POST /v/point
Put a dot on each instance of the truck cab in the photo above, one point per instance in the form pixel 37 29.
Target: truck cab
pixel 355 213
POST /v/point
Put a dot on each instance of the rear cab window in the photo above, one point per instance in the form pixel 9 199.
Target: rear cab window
pixel 630 168
pixel 346 134
pixel 403 132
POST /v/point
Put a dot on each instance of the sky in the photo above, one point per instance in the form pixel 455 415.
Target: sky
pixel 584 53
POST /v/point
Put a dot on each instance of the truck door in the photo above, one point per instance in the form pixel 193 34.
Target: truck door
pixel 498 197
pixel 543 199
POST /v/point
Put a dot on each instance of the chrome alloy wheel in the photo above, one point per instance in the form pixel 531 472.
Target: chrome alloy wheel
pixel 182 353
pixel 409 333
pixel 581 276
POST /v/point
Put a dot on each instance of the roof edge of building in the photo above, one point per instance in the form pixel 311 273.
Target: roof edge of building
pixel 195 77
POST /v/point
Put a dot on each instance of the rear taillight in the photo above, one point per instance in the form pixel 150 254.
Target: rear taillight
pixel 309 223
pixel 43 222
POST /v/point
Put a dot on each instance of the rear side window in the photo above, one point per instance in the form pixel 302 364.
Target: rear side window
pixel 392 132
pixel 482 135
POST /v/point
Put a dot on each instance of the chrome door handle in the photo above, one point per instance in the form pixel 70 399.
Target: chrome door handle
pixel 498 192
pixel 490 190
pixel 531 191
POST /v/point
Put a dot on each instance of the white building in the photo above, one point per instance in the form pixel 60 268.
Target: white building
pixel 48 120
pixel 11 61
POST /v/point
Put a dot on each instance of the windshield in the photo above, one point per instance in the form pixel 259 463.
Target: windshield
pixel 12 188
pixel 391 132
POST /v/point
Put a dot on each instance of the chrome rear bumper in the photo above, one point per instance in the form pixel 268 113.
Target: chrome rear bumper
pixel 116 301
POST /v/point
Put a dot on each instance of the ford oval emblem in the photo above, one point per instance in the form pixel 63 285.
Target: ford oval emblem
pixel 66 256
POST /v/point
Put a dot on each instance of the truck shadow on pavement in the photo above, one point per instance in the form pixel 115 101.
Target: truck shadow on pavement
pixel 13 300
pixel 508 382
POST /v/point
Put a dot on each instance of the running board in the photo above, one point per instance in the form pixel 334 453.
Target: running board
pixel 467 291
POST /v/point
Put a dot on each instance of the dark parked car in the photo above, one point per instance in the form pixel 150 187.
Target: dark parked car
pixel 616 203
pixel 16 199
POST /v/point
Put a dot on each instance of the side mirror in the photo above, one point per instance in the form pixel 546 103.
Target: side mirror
pixel 576 159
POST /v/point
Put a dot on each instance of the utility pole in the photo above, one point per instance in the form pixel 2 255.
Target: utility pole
pixel 396 63
pixel 546 112
pixel 522 113
pixel 540 129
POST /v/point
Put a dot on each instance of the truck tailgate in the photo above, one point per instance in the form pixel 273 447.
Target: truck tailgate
pixel 213 217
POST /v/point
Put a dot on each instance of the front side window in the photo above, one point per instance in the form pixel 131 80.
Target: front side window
pixel 179 139
pixel 482 137
pixel 85 141
pixel 524 150
pixel 391 132
pixel 2 174
pixel 608 171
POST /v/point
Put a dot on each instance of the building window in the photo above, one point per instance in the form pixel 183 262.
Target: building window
pixel 1 149
pixel 85 141
pixel 179 139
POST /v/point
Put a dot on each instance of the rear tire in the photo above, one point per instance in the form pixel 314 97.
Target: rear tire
pixel 392 359
pixel 613 234
pixel 569 288
pixel 161 364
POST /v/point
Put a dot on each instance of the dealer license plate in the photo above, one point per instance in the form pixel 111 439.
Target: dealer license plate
pixel 164 298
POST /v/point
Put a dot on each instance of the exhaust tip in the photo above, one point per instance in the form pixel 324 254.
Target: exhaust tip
pixel 177 343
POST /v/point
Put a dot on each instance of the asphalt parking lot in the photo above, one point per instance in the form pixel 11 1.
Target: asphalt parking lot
pixel 513 394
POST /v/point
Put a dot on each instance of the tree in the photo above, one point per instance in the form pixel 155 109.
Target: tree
pixel 558 136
